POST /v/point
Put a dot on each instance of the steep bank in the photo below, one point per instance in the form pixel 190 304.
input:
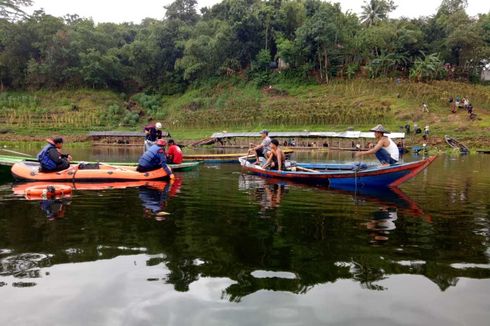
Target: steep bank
pixel 237 106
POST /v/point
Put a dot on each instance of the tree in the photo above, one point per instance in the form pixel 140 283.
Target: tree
pixel 11 9
pixel 428 68
pixel 183 10
pixel 374 11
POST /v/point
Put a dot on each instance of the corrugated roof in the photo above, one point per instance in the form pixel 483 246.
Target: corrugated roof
pixel 120 134
pixel 317 134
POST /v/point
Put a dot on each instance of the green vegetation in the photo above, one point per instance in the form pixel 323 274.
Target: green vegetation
pixel 235 105
pixel 243 65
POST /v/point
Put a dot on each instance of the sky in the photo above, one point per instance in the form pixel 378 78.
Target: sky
pixel 119 11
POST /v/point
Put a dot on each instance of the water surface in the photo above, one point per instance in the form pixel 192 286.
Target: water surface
pixel 220 248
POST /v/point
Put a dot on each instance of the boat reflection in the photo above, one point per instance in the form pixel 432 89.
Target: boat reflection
pixel 154 199
pixel 390 200
pixel 153 194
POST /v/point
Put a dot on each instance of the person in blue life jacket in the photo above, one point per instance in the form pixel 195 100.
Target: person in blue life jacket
pixel 154 158
pixel 51 158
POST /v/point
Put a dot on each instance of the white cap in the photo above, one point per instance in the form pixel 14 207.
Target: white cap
pixel 158 125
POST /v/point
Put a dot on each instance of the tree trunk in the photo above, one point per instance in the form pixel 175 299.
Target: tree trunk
pixel 326 63
pixel 320 62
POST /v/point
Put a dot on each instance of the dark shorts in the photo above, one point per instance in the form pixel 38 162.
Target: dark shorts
pixel 259 153
pixel 140 168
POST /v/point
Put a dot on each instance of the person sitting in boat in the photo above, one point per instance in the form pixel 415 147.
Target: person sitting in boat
pixel 51 158
pixel 263 149
pixel 174 153
pixel 385 149
pixel 154 158
pixel 153 132
pixel 276 157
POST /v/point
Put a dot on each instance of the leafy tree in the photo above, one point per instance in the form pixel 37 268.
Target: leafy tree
pixel 11 9
pixel 183 10
pixel 428 68
pixel 375 11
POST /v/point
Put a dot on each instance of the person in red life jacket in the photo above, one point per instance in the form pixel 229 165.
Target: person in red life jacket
pixel 174 153
pixel 154 158
pixel 51 158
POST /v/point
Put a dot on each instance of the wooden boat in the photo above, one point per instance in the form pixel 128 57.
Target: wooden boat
pixel 30 171
pixel 8 160
pixel 221 158
pixel 456 144
pixel 344 174
pixel 483 151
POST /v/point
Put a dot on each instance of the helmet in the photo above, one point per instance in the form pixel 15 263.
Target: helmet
pixel 161 142
pixel 158 125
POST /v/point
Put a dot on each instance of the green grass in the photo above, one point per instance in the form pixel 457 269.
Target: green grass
pixel 234 105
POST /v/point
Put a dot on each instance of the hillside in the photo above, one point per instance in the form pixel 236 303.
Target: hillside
pixel 237 106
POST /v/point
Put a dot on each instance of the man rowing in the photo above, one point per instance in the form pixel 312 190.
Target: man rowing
pixel 263 149
pixel 385 149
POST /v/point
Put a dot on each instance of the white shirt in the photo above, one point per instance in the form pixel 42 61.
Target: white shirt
pixel 392 149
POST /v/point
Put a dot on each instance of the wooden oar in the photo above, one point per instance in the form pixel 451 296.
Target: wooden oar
pixel 305 169
pixel 14 152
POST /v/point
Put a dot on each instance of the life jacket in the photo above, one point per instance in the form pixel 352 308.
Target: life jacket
pixel 46 162
pixel 152 158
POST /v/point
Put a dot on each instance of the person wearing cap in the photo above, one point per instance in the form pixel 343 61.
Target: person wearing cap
pixel 153 132
pixel 385 149
pixel 154 158
pixel 51 158
pixel 174 153
pixel 263 149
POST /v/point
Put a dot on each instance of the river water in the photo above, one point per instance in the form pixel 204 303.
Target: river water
pixel 216 247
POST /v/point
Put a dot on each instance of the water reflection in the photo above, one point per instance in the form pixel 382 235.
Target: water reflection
pixel 382 224
pixel 154 199
pixel 54 208
pixel 153 195
pixel 267 194
pixel 255 241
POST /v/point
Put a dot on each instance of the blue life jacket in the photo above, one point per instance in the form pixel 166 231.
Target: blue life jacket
pixel 46 162
pixel 154 157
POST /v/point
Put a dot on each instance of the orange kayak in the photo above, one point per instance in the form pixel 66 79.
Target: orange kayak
pixel 30 171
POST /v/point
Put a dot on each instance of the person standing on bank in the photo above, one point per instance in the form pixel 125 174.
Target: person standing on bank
pixel 263 149
pixel 154 158
pixel 153 132
pixel 51 158
pixel 385 149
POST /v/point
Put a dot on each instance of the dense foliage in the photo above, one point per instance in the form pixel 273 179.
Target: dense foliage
pixel 308 39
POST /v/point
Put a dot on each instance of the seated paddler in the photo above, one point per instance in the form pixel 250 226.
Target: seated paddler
pixel 276 158
pixel 154 158
pixel 51 158
pixel 385 149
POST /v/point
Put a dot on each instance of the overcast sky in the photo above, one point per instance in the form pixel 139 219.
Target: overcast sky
pixel 134 11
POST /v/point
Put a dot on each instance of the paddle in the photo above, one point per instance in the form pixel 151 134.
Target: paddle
pixel 305 169
pixel 14 152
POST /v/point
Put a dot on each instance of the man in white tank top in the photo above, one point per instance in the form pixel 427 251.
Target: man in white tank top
pixel 385 149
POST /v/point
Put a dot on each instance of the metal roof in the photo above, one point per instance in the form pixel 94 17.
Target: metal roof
pixel 316 134
pixel 120 134
pixel 116 134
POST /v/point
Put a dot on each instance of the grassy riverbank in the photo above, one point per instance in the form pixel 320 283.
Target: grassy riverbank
pixel 237 106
